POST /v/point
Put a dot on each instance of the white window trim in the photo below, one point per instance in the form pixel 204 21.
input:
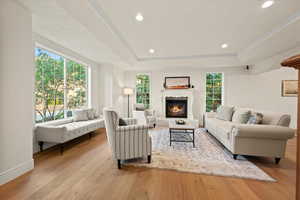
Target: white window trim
pixel 150 87
pixel 66 57
pixel 222 93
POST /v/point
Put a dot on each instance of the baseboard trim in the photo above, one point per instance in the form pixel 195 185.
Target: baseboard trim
pixel 14 172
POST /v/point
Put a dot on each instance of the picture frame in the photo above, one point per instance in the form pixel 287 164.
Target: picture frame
pixel 177 82
pixel 289 88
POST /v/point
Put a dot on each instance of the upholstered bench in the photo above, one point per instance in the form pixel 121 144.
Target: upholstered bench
pixel 62 131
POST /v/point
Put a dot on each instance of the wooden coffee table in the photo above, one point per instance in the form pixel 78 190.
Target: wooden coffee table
pixel 183 133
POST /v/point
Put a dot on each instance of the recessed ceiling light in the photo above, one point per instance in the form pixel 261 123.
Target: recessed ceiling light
pixel 151 51
pixel 267 4
pixel 224 46
pixel 139 17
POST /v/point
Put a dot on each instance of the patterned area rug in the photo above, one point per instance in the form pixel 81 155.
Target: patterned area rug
pixel 208 157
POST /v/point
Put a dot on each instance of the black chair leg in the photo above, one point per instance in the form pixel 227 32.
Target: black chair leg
pixel 119 164
pixel 277 160
pixel 41 146
pixel 154 125
pixel 235 156
pixel 62 146
pixel 149 159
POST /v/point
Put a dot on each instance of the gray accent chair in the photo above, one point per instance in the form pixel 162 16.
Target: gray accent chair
pixel 126 142
pixel 144 116
pixel 267 139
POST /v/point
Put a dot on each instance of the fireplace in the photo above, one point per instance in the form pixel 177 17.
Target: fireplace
pixel 176 107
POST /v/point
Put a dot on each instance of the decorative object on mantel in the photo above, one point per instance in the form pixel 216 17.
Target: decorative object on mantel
pixel 180 122
pixel 295 63
pixel 177 82
pixel 289 88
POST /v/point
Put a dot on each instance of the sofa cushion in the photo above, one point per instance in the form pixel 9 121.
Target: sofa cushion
pixel 80 115
pixel 241 116
pixel 224 113
pixel 255 118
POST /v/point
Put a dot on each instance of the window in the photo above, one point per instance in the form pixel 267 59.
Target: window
pixel 60 86
pixel 214 87
pixel 143 89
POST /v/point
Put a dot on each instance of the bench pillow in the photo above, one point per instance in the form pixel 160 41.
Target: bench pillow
pixel 80 115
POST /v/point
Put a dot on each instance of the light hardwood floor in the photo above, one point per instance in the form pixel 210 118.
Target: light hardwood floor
pixel 87 171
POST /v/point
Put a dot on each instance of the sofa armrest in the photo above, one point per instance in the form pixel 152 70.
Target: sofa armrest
pixel 130 121
pixel 50 133
pixel 263 131
pixel 210 114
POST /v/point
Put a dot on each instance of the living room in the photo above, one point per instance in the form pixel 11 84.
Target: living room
pixel 149 100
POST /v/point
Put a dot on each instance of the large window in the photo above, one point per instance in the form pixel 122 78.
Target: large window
pixel 214 87
pixel 143 89
pixel 60 86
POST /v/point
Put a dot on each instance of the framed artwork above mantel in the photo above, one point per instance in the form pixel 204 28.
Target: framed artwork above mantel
pixel 289 88
pixel 177 82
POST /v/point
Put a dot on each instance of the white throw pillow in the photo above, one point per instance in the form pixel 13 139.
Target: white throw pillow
pixel 241 116
pixel 80 115
pixel 91 114
pixel 224 113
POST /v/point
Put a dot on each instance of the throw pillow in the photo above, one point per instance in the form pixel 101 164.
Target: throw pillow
pixel 241 116
pixel 255 118
pixel 122 122
pixel 224 113
pixel 80 115
pixel 91 114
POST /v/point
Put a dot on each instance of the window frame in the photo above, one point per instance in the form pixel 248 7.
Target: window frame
pixel 66 58
pixel 150 87
pixel 222 90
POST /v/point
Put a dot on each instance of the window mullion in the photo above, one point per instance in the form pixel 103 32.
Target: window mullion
pixel 65 88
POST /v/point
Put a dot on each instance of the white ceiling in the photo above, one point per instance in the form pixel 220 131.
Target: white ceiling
pixel 183 33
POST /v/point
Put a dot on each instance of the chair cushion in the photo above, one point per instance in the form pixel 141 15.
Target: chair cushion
pixel 224 113
pixel 241 116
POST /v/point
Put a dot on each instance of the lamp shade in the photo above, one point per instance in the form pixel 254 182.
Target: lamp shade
pixel 127 91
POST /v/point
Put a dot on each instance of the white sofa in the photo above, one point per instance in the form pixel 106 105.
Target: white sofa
pixel 267 139
pixel 64 130
pixel 129 141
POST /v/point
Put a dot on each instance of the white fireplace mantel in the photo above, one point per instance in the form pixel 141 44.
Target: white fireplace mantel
pixel 179 93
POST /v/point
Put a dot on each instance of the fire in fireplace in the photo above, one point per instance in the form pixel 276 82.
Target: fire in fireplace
pixel 176 107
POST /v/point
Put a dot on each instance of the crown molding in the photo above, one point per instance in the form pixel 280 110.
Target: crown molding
pixel 188 57
pixel 292 19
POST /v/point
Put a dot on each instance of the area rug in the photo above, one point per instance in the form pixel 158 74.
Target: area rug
pixel 208 157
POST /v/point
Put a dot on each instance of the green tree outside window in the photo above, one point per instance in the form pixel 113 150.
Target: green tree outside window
pixel 214 87
pixel 55 91
pixel 143 89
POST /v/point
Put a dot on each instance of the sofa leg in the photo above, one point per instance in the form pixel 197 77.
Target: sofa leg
pixel 90 135
pixel 149 158
pixel 119 164
pixel 235 156
pixel 62 146
pixel 277 160
pixel 41 146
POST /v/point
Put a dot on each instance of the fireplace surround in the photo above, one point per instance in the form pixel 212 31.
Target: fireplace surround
pixel 176 107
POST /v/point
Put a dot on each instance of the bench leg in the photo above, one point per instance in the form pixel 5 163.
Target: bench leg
pixel 149 158
pixel 277 160
pixel 62 146
pixel 119 164
pixel 41 146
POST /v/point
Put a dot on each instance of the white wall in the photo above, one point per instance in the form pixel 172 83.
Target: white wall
pixel 111 82
pixel 16 90
pixel 263 92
